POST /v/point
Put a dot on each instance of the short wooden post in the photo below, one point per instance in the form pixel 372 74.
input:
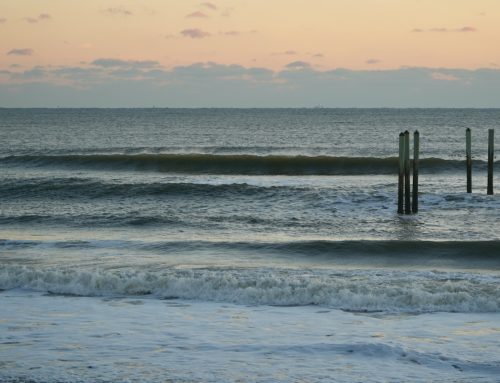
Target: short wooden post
pixel 491 133
pixel 407 173
pixel 468 156
pixel 401 173
pixel 416 148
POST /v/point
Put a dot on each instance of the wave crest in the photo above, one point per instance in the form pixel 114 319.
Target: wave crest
pixel 235 164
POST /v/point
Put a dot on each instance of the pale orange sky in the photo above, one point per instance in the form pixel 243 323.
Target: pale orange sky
pixel 355 34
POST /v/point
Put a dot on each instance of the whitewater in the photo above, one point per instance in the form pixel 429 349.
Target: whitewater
pixel 251 245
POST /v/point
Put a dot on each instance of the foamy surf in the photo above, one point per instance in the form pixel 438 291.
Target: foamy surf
pixel 132 339
pixel 362 290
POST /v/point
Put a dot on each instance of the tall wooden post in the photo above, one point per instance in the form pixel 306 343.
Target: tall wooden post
pixel 416 149
pixel 468 156
pixel 401 173
pixel 491 133
pixel 407 173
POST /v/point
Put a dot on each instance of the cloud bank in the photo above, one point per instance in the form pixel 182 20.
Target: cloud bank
pixel 110 82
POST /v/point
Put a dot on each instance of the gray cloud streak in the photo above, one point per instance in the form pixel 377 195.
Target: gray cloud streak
pixel 21 52
pixel 194 33
pixel 40 17
pixel 117 63
pixel 209 5
pixel 466 29
pixel 117 11
pixel 197 14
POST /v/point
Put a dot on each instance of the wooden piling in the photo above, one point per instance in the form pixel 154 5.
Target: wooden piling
pixel 416 161
pixel 468 156
pixel 407 173
pixel 401 173
pixel 491 133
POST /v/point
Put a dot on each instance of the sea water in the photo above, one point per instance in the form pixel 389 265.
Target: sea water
pixel 252 245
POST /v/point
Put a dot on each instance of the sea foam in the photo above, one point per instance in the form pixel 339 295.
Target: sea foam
pixel 361 290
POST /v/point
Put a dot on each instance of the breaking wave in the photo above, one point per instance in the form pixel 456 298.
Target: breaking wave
pixel 236 164
pixel 374 290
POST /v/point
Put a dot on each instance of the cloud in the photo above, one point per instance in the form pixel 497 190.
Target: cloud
pixel 439 30
pixel 194 33
pixel 117 11
pixel 231 33
pixel 197 14
pixel 318 55
pixel 443 76
pixel 214 71
pixel 209 5
pixel 40 17
pixel 21 52
pixel 298 65
pixel 289 52
pixel 117 63
pixel 3 20
pixel 36 73
pixel 235 33
pixel 465 29
pixel 372 61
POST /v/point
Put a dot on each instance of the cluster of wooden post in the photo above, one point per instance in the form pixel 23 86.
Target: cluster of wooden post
pixel 468 154
pixel 404 195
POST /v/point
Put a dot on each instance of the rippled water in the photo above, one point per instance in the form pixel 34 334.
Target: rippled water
pixel 252 208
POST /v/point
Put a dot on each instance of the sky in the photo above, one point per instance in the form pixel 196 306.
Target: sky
pixel 252 53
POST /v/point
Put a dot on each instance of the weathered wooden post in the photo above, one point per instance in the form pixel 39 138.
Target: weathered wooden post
pixel 401 172
pixel 416 148
pixel 407 173
pixel 468 155
pixel 491 133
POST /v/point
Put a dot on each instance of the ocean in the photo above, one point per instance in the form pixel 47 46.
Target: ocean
pixel 245 245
